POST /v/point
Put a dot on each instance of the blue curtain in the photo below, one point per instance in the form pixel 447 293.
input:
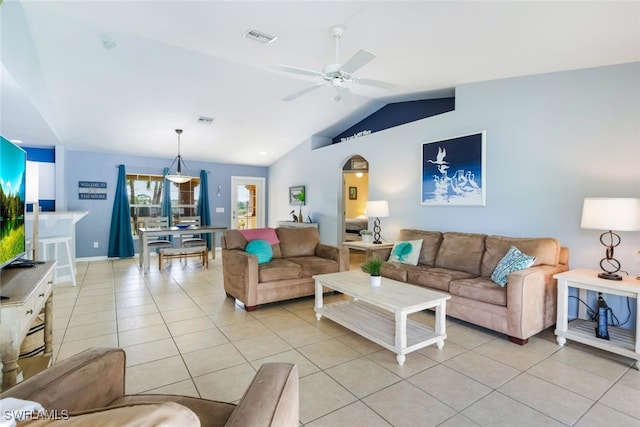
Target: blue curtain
pixel 120 237
pixel 202 209
pixel 166 201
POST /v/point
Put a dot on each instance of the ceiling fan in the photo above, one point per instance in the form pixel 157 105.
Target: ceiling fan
pixel 338 75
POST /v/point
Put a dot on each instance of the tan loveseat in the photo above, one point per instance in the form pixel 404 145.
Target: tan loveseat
pixel 461 264
pixel 89 387
pixel 298 256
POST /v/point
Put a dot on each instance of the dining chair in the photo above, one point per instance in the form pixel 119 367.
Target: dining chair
pixel 156 222
pixel 187 240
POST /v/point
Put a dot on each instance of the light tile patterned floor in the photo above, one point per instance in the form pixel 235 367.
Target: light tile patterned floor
pixel 183 336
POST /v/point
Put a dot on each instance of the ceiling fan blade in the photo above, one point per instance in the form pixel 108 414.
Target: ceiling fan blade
pixel 360 59
pixel 302 92
pixel 378 83
pixel 297 70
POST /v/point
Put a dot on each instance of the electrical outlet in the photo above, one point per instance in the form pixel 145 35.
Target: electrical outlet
pixel 219 210
pixel 95 244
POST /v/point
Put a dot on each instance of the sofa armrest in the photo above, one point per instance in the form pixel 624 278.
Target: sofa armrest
pixel 272 399
pixel 338 254
pixel 240 275
pixel 532 300
pixel 91 379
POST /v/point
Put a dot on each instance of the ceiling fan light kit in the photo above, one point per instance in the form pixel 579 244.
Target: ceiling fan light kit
pixel 338 75
pixel 178 177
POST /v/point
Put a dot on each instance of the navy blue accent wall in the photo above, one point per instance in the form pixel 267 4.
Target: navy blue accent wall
pixel 47 155
pixel 399 113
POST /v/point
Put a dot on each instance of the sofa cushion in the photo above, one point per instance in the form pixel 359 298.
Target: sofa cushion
pixel 298 241
pixel 138 414
pixel 434 277
pixel 279 269
pixel 235 239
pixel 430 244
pixel 479 289
pixel 461 251
pixel 260 248
pixel 513 260
pixel 406 252
pixel 545 249
pixel 210 412
pixel 315 265
pixel 395 271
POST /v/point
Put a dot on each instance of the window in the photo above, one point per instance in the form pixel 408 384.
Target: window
pixel 145 198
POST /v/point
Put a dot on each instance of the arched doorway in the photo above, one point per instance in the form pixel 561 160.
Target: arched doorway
pixel 355 193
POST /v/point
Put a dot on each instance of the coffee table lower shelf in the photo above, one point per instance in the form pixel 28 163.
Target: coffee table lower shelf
pixel 379 326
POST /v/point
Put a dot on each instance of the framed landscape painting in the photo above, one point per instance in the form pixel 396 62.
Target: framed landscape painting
pixel 453 171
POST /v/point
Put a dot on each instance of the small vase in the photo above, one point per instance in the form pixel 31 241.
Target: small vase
pixel 300 215
pixel 367 238
pixel 376 280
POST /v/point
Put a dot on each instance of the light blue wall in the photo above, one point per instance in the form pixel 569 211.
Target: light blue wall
pixel 552 140
pixel 89 166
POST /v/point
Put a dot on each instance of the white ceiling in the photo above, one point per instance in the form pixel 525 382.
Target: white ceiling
pixel 178 60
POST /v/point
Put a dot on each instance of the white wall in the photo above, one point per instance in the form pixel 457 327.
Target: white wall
pixel 552 140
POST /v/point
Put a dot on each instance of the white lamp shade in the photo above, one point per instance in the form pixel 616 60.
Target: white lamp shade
pixel 377 208
pixel 32 182
pixel 615 214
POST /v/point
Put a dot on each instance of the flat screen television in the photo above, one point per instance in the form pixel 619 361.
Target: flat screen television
pixel 13 171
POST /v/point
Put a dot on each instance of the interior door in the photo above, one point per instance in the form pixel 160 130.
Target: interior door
pixel 247 202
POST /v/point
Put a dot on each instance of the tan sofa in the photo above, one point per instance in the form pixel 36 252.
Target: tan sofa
pixel 461 264
pixel 89 387
pixel 298 256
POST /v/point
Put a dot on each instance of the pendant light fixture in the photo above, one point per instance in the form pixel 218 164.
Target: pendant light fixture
pixel 178 177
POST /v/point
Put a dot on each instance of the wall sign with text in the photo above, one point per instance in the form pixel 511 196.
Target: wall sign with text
pixel 92 190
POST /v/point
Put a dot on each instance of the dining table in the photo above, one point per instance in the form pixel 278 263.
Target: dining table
pixel 145 233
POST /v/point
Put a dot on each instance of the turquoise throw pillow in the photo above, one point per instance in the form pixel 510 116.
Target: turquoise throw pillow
pixel 406 252
pixel 513 260
pixel 260 248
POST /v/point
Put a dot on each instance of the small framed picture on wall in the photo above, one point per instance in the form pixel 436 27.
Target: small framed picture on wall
pixel 353 193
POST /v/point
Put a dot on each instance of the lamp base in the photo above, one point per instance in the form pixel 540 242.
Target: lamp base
pixel 377 242
pixel 610 276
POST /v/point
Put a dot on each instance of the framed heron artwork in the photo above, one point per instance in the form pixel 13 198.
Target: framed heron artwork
pixel 453 171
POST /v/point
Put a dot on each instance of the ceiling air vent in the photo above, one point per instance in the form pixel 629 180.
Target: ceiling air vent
pixel 259 37
pixel 205 120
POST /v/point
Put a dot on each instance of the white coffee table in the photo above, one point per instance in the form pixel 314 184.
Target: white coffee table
pixel 380 314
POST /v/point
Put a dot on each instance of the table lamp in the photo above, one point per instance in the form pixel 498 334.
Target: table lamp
pixel 620 214
pixel 378 209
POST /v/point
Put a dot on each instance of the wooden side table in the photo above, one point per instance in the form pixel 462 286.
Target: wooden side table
pixel 28 291
pixel 371 249
pixel 625 342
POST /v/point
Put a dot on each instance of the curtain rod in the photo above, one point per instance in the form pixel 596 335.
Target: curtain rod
pixel 147 168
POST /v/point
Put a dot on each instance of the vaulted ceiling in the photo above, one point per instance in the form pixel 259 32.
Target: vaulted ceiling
pixel 167 63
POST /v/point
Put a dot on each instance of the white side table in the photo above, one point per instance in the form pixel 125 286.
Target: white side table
pixel 625 342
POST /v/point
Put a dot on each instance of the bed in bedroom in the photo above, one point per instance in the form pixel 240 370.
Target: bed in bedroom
pixel 352 227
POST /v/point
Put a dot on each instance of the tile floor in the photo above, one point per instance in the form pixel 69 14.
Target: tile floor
pixel 183 336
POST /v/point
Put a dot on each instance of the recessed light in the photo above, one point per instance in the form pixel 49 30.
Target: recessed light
pixel 263 153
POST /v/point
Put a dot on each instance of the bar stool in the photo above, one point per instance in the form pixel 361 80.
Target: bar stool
pixel 54 242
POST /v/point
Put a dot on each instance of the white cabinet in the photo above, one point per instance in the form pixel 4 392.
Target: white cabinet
pixel 293 224
pixel 625 342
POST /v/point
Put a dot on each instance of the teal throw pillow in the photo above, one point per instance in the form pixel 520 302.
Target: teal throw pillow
pixel 513 260
pixel 260 248
pixel 406 252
